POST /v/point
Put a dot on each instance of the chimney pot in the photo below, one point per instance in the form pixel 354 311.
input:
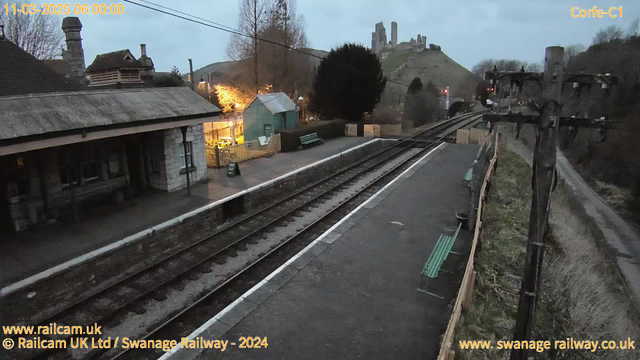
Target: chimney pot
pixel 143 50
pixel 74 56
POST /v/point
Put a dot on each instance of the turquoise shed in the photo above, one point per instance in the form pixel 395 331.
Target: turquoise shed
pixel 268 113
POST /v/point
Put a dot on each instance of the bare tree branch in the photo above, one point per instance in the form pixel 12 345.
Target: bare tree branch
pixel 634 28
pixel 609 34
pixel 39 35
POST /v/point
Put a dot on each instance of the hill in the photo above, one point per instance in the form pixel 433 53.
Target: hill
pixel 403 65
pixel 226 72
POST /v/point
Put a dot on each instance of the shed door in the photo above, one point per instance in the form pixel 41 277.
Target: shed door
pixel 268 130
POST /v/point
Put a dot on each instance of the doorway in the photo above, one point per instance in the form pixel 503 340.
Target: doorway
pixel 136 176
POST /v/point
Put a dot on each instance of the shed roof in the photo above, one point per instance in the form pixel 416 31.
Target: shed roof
pixel 276 103
pixel 30 115
pixel 114 60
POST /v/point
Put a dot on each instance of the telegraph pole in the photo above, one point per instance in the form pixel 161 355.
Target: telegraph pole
pixel 544 163
pixel 548 123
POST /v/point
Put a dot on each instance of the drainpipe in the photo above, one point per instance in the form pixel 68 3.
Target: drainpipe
pixel 186 159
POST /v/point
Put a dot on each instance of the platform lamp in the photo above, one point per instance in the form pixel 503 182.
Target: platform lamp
pixel 302 107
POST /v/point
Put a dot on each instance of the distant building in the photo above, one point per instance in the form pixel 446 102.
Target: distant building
pixel 119 67
pixel 381 47
pixel 268 113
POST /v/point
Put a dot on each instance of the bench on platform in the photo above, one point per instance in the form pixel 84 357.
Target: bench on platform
pixel 310 139
pixel 439 254
pixel 469 174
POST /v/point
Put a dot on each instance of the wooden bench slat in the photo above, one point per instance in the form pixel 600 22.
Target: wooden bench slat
pixel 468 175
pixel 439 254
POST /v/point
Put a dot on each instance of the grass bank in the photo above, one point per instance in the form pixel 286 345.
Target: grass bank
pixel 581 295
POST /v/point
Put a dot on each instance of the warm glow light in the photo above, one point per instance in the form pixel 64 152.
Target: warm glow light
pixel 230 123
pixel 234 99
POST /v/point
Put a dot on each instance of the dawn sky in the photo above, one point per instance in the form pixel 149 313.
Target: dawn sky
pixel 467 30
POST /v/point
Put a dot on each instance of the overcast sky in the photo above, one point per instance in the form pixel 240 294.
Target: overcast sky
pixel 467 30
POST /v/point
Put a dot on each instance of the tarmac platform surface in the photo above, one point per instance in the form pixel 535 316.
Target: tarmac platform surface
pixel 353 293
pixel 26 253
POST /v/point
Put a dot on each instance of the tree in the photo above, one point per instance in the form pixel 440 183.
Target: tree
pixel 612 33
pixel 284 68
pixel 415 103
pixel 634 28
pixel 503 65
pixel 174 79
pixel 38 34
pixel 433 107
pixel 348 83
pixel 252 16
pixel 571 51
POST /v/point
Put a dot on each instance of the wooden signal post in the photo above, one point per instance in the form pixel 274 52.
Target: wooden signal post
pixel 548 123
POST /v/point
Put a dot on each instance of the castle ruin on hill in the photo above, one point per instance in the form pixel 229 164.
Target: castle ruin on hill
pixel 379 43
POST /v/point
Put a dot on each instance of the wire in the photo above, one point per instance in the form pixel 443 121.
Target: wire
pixel 217 26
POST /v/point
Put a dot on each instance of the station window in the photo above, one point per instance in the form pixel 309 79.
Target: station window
pixel 189 156
pixel 114 164
pixel 88 167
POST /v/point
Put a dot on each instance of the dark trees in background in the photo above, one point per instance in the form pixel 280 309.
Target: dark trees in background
pixel 174 79
pixel 415 103
pixel 260 60
pixel 348 83
pixel 422 103
pixel 616 159
pixel 612 33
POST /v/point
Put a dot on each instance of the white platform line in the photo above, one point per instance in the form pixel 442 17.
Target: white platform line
pixel 230 307
pixel 95 253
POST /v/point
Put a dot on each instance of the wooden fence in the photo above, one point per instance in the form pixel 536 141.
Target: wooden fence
pixel 465 293
pixel 220 157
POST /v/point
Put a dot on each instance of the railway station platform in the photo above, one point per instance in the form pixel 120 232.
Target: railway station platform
pixel 353 292
pixel 30 252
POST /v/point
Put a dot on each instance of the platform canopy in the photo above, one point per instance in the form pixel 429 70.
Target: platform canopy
pixel 87 115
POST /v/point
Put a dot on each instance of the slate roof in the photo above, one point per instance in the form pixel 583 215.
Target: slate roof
pixel 21 73
pixel 31 115
pixel 277 103
pixel 113 60
pixel 58 65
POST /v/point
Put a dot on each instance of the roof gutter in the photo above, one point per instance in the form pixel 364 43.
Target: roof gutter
pixel 60 140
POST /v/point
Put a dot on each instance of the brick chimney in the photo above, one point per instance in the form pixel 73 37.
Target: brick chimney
pixel 148 71
pixel 74 56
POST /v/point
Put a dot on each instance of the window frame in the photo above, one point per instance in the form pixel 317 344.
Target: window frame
pixel 189 153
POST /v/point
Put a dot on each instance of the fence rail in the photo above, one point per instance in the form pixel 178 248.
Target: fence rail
pixel 465 292
pixel 220 157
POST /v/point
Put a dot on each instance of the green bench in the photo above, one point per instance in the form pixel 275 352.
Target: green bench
pixel 439 254
pixel 469 174
pixel 309 139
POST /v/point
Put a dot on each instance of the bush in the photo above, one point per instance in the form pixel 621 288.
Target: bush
pixel 384 115
pixel 290 138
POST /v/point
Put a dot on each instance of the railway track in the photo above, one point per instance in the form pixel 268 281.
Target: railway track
pixel 135 294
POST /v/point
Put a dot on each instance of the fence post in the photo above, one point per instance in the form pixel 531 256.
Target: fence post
pixel 217 152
